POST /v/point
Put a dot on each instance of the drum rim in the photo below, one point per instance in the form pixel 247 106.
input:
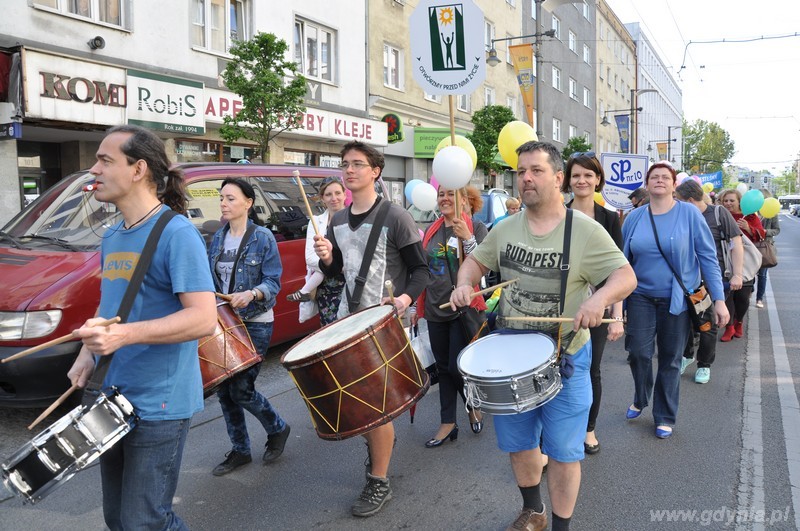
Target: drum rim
pixel 549 361
pixel 342 345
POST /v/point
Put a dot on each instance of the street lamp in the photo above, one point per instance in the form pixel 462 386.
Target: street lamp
pixel 493 60
pixel 669 135
pixel 635 123
pixel 605 121
pixel 669 142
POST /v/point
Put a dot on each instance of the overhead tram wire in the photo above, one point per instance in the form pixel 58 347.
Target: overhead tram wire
pixel 726 41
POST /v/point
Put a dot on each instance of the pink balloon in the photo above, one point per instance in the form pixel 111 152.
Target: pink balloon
pixel 697 179
pixel 433 182
pixel 348 197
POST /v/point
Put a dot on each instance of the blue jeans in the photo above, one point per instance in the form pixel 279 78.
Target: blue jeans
pixel 239 393
pixel 140 474
pixel 651 324
pixel 762 283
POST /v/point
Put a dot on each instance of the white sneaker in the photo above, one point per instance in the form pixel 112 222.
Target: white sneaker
pixel 759 304
pixel 685 362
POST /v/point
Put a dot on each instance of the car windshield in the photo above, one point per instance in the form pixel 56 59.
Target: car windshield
pixel 67 215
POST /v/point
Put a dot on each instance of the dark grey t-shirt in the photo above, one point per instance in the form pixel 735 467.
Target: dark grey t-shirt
pixel 727 225
pixel 387 264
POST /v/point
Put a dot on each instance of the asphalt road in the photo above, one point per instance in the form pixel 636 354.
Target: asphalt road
pixel 733 462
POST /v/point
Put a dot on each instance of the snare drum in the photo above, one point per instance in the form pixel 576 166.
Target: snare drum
pixel 357 373
pixel 506 374
pixel 227 352
pixel 69 445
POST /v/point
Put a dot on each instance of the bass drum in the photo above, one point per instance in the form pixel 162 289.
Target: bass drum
pixel 357 373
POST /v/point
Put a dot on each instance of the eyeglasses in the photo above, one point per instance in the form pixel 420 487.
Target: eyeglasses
pixel 357 165
pixel 588 154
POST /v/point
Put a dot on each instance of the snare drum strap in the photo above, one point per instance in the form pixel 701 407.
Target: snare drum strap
pixel 95 384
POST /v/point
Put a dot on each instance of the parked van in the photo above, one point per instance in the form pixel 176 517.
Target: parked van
pixel 50 264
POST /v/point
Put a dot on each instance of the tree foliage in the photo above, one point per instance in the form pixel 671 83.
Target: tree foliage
pixel 706 147
pixel 576 144
pixel 488 123
pixel 271 89
pixel 785 183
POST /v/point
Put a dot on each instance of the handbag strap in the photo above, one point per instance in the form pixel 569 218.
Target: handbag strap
pixel 658 244
pixel 565 259
pixel 95 384
pixel 245 238
pixel 354 299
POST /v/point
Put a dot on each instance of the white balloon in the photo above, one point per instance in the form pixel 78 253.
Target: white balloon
pixel 424 197
pixel 742 188
pixel 681 176
pixel 452 167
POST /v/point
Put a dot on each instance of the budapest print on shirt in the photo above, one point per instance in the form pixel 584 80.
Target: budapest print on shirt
pixel 538 291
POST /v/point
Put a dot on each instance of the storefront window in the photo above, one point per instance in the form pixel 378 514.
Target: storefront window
pixel 193 151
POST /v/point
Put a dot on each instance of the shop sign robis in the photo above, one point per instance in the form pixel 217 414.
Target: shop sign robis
pixel 164 103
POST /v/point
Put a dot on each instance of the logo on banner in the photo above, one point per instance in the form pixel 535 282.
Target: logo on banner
pixel 661 147
pixel 624 174
pixel 446 24
pixel 522 59
pixel 624 127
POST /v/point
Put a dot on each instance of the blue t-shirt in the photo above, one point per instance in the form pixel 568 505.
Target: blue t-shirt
pixel 162 382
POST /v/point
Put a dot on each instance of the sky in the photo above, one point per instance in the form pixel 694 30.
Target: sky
pixel 751 89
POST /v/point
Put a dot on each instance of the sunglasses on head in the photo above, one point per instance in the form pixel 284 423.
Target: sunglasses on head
pixel 588 154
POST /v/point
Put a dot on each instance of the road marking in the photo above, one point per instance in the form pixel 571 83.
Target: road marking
pixel 790 408
pixel 751 466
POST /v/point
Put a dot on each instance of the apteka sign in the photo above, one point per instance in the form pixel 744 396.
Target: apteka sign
pixel 444 60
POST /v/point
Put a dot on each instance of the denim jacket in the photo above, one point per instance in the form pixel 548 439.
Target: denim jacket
pixel 258 266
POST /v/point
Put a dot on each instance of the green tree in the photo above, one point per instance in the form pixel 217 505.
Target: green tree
pixel 576 144
pixel 488 123
pixel 785 183
pixel 271 89
pixel 707 147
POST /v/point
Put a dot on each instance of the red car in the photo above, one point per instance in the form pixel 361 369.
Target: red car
pixel 50 264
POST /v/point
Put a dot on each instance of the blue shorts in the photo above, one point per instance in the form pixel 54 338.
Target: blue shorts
pixel 559 425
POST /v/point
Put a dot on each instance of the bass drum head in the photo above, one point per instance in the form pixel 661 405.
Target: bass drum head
pixel 501 356
pixel 337 333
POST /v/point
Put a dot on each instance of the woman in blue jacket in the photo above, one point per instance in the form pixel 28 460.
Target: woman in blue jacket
pixel 246 265
pixel 657 312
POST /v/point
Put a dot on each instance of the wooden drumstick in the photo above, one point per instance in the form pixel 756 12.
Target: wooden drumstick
pixel 555 319
pixel 54 342
pixel 223 296
pixel 390 289
pixel 53 406
pixel 483 291
pixel 296 174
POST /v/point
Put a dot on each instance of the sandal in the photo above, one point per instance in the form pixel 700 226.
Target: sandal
pixel 298 296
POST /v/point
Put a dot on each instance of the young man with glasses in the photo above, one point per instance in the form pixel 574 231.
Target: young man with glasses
pixel 398 257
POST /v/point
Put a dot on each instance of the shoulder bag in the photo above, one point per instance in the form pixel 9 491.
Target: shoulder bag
pixel 769 255
pixel 751 261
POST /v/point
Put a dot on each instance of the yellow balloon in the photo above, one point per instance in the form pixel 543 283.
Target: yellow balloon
pixel 708 187
pixel 770 208
pixel 598 198
pixel 462 142
pixel 512 136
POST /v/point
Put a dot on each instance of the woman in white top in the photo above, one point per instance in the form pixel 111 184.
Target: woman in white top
pixel 328 290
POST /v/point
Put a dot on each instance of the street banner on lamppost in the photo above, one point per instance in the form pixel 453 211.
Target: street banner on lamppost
pixel 624 173
pixel 522 59
pixel 713 178
pixel 444 60
pixel 624 127
pixel 661 148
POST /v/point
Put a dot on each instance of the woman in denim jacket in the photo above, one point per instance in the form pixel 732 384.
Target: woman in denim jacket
pixel 246 265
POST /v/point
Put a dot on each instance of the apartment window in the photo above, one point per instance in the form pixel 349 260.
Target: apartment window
pixel 585 9
pixel 608 75
pixel 315 50
pixel 573 89
pixel 533 9
pixel 573 41
pixel 217 23
pixel 508 50
pixel 587 54
pixel 557 27
pixel 435 98
pixel 616 82
pixel 511 103
pixel 573 131
pixel 392 67
pixel 510 2
pixel 462 102
pixel 488 34
pixel 489 96
pixel 556 78
pixel 600 25
pixel 587 136
pixel 587 97
pixel 112 12
pixel 600 70
pixel 556 129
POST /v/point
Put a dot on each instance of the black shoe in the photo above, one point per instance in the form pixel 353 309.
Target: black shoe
pixel 591 449
pixel 233 460
pixel 476 426
pixel 275 445
pixel 375 494
pixel 453 435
